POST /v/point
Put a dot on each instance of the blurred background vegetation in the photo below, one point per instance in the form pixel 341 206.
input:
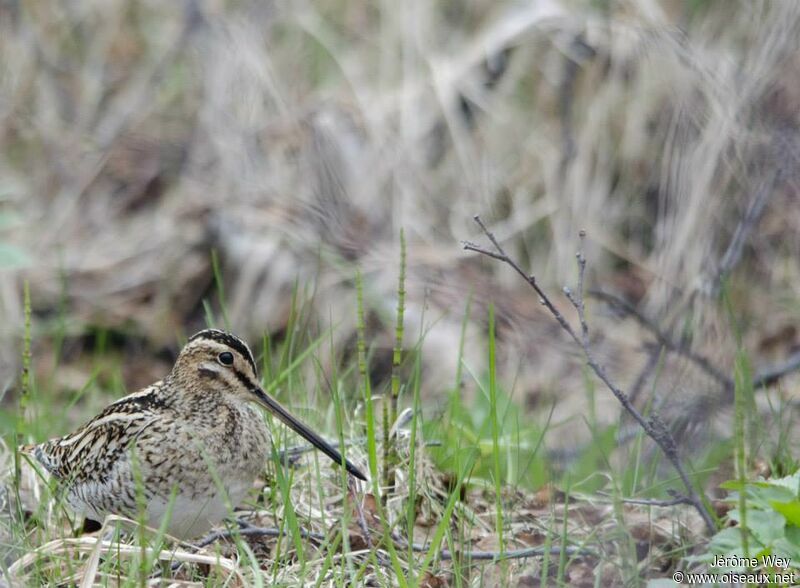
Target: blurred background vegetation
pixel 291 141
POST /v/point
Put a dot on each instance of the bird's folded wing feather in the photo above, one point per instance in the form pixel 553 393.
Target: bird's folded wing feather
pixel 93 449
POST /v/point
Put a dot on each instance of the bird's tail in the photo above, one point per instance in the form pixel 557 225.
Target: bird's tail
pixel 43 454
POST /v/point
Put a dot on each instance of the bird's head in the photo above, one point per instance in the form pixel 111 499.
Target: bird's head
pixel 226 364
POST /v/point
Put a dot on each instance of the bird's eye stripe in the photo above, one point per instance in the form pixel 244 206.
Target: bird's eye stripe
pixel 228 340
pixel 245 381
pixel 225 358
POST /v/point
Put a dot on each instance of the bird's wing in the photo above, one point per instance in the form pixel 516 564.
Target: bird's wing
pixel 95 447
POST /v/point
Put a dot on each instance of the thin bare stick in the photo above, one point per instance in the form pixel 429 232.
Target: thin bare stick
pixel 660 503
pixel 663 338
pixel 570 550
pixel 653 426
pixel 755 210
pixel 770 375
pixel 764 376
pixel 251 531
pixel 444 554
pixel 531 279
pixel 626 433
pixel 678 499
pixel 577 301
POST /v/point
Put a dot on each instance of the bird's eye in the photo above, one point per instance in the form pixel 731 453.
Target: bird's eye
pixel 225 358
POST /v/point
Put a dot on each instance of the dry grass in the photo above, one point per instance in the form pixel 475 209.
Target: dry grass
pixel 596 545
pixel 295 139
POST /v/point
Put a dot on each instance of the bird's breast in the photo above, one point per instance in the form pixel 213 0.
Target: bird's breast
pixel 241 442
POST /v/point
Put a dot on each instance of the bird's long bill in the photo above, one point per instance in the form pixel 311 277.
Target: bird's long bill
pixel 275 408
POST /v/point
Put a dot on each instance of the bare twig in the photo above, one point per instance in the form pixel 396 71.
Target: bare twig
pixel 444 554
pixel 770 375
pixel 663 338
pixel 653 426
pixel 501 256
pixel 764 376
pixel 749 220
pixel 248 530
pixel 678 499
pixel 577 301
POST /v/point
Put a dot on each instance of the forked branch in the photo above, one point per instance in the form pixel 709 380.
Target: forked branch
pixel 653 426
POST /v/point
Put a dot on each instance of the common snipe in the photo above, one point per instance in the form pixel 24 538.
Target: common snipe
pixel 194 440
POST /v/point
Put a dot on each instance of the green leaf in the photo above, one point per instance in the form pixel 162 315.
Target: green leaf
pixel 727 541
pixel 792 543
pixel 786 548
pixel 791 483
pixel 760 495
pixel 737 485
pixel 766 526
pixel 790 511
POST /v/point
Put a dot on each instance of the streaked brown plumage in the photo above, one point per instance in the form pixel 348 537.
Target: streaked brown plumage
pixel 196 434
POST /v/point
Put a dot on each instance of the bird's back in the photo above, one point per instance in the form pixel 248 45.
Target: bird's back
pixel 94 463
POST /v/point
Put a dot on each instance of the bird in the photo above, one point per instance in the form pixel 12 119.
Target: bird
pixel 187 447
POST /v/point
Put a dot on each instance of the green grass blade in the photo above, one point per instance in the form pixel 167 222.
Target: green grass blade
pixel 498 483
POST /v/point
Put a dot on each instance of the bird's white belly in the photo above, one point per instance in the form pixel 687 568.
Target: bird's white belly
pixel 191 517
